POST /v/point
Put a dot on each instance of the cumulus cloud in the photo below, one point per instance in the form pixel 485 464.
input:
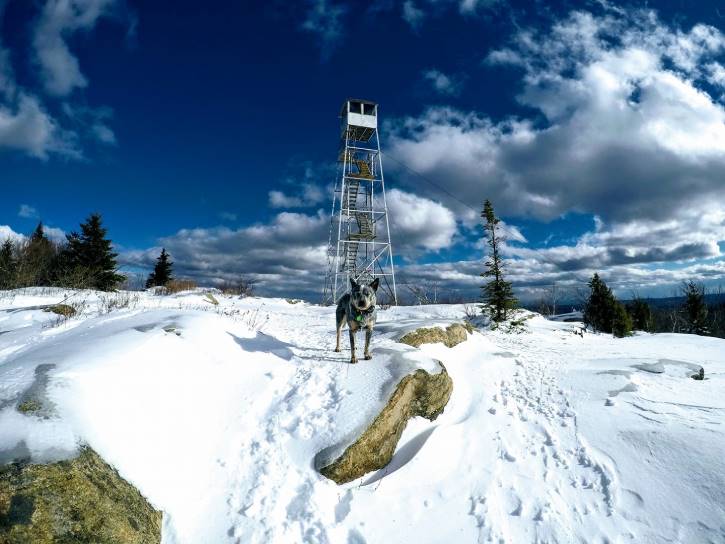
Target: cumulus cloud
pixel 58 20
pixel 286 255
pixel 418 223
pixel 53 233
pixel 629 134
pixel 442 83
pixel 310 195
pixel 7 233
pixel 25 122
pixel 25 126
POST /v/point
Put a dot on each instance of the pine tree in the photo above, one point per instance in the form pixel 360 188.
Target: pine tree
pixel 34 267
pixel 641 315
pixel 599 310
pixel 91 252
pixel 8 265
pixel 621 321
pixel 497 294
pixel 162 271
pixel 694 308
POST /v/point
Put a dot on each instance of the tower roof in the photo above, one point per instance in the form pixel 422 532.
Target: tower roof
pixel 343 109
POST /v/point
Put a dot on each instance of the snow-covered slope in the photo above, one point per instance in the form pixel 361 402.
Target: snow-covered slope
pixel 217 412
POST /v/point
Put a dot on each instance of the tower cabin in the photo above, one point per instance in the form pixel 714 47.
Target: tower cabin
pixel 360 118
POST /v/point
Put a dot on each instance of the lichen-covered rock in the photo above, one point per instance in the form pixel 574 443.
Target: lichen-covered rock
pixel 81 500
pixel 453 335
pixel 417 394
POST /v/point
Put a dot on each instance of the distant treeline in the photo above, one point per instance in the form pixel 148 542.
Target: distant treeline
pixel 694 311
pixel 84 260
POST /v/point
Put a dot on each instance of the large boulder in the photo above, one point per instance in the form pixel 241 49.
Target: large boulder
pixel 81 500
pixel 417 394
pixel 453 335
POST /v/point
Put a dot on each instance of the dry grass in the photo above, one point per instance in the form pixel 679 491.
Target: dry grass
pixel 62 309
pixel 176 286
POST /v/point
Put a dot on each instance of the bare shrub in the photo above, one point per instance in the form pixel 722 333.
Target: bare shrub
pixel 117 301
pixel 472 311
pixel 242 287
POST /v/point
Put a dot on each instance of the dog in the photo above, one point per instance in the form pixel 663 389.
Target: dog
pixel 357 309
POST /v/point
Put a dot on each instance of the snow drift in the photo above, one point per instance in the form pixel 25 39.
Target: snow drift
pixel 216 414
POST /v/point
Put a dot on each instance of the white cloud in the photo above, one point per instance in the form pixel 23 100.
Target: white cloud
pixel 324 18
pixel 53 233
pixel 629 134
pixel 412 14
pixel 442 83
pixel 309 196
pixel 419 223
pixel 25 122
pixel 27 211
pixel 26 127
pixel 8 233
pixel 286 255
pixel 228 216
pixel 58 20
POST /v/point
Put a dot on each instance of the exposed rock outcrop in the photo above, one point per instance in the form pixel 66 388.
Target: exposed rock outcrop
pixel 78 500
pixel 417 394
pixel 453 335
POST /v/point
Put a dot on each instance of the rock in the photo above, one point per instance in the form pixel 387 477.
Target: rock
pixel 654 368
pixel 78 500
pixel 453 335
pixel 699 375
pixel 417 394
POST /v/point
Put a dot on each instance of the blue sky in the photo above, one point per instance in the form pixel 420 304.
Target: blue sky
pixel 211 129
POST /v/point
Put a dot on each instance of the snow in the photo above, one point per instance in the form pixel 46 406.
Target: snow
pixel 219 414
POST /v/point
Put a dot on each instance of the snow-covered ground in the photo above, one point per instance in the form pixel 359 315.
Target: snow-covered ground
pixel 217 414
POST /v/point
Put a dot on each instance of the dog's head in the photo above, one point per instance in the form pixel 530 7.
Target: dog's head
pixel 363 296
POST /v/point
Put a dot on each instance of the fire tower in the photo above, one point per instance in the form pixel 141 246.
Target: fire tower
pixel 359 245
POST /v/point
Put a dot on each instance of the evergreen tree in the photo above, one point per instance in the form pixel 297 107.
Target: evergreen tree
pixel 8 265
pixel 694 308
pixel 35 261
pixel 162 271
pixel 621 321
pixel 497 294
pixel 641 315
pixel 599 310
pixel 91 252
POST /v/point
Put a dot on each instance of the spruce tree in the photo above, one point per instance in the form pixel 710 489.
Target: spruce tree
pixel 599 310
pixel 694 308
pixel 92 252
pixel 641 315
pixel 34 267
pixel 497 294
pixel 621 321
pixel 8 265
pixel 162 271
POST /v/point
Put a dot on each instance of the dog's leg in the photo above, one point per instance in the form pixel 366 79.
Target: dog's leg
pixel 353 359
pixel 339 330
pixel 339 321
pixel 368 335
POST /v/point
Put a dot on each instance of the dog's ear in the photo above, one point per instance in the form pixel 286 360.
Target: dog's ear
pixel 375 284
pixel 353 283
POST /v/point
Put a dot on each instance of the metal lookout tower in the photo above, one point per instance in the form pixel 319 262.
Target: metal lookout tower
pixel 359 245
